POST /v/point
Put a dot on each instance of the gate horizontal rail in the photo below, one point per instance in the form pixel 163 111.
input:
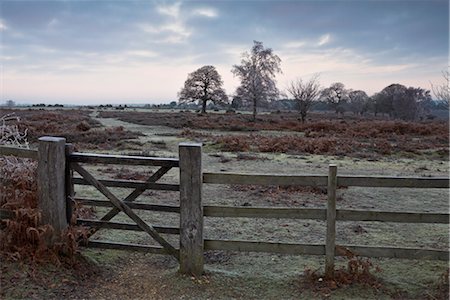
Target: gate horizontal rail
pixel 134 205
pixel 125 226
pixel 132 184
pixel 122 159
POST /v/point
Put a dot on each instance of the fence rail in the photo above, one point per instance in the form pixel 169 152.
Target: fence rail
pixel 321 181
pixel 19 152
pixel 321 214
pixel 192 211
pixel 318 249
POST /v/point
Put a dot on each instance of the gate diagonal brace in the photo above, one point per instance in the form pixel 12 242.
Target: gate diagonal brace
pixel 127 210
pixel 137 192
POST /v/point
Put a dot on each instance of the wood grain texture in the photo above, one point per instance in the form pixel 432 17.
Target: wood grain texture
pixel 125 226
pixel 264 212
pixel 388 216
pixel 131 184
pixel 122 159
pixel 142 206
pixel 331 221
pixel 271 247
pixel 18 152
pixel 51 184
pixel 395 252
pixel 126 246
pixel 400 182
pixel 191 209
pixel 264 179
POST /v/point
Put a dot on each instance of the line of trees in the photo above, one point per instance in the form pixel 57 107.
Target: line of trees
pixel 258 69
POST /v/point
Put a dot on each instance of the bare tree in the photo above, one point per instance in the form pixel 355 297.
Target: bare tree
pixel 257 74
pixel 203 85
pixel 442 92
pixel 336 95
pixel 358 102
pixel 305 93
pixel 10 104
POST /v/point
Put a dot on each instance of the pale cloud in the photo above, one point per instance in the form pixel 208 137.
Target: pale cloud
pixel 3 26
pixel 172 31
pixel 205 12
pixel 142 53
pixel 324 39
pixel 53 23
pixel 295 44
pixel 170 10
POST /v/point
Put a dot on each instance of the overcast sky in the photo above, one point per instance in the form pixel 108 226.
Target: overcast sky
pixel 141 51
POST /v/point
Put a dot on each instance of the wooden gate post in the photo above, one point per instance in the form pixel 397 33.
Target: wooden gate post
pixel 69 186
pixel 191 209
pixel 51 183
pixel 331 221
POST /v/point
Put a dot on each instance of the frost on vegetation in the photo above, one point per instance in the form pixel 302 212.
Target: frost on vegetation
pixel 10 133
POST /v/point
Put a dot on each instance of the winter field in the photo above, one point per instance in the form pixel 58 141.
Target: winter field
pixel 275 143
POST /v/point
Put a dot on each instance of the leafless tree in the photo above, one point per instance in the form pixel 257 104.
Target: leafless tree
pixel 358 102
pixel 336 95
pixel 442 92
pixel 305 93
pixel 203 85
pixel 10 103
pixel 257 74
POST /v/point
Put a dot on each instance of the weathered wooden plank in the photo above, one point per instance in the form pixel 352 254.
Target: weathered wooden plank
pixel 51 184
pixel 191 209
pixel 126 209
pixel 6 214
pixel 315 249
pixel 405 182
pixel 137 192
pixel 331 221
pixel 130 184
pixel 263 179
pixel 142 206
pixel 18 152
pixel 69 186
pixel 395 252
pixel 125 226
pixel 126 246
pixel 251 246
pixel 265 212
pixel 122 159
pixel 319 180
pixel 387 216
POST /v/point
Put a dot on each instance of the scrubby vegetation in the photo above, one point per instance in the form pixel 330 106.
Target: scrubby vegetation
pixel 353 137
pixel 75 125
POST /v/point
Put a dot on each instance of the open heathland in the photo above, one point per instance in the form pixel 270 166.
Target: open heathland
pixel 75 125
pixel 321 134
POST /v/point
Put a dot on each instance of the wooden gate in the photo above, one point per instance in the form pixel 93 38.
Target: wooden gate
pixel 125 205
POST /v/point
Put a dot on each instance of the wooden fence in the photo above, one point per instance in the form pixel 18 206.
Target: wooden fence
pixel 192 212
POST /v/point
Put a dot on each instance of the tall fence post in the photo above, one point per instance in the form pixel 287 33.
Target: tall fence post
pixel 331 221
pixel 191 209
pixel 51 183
pixel 69 186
